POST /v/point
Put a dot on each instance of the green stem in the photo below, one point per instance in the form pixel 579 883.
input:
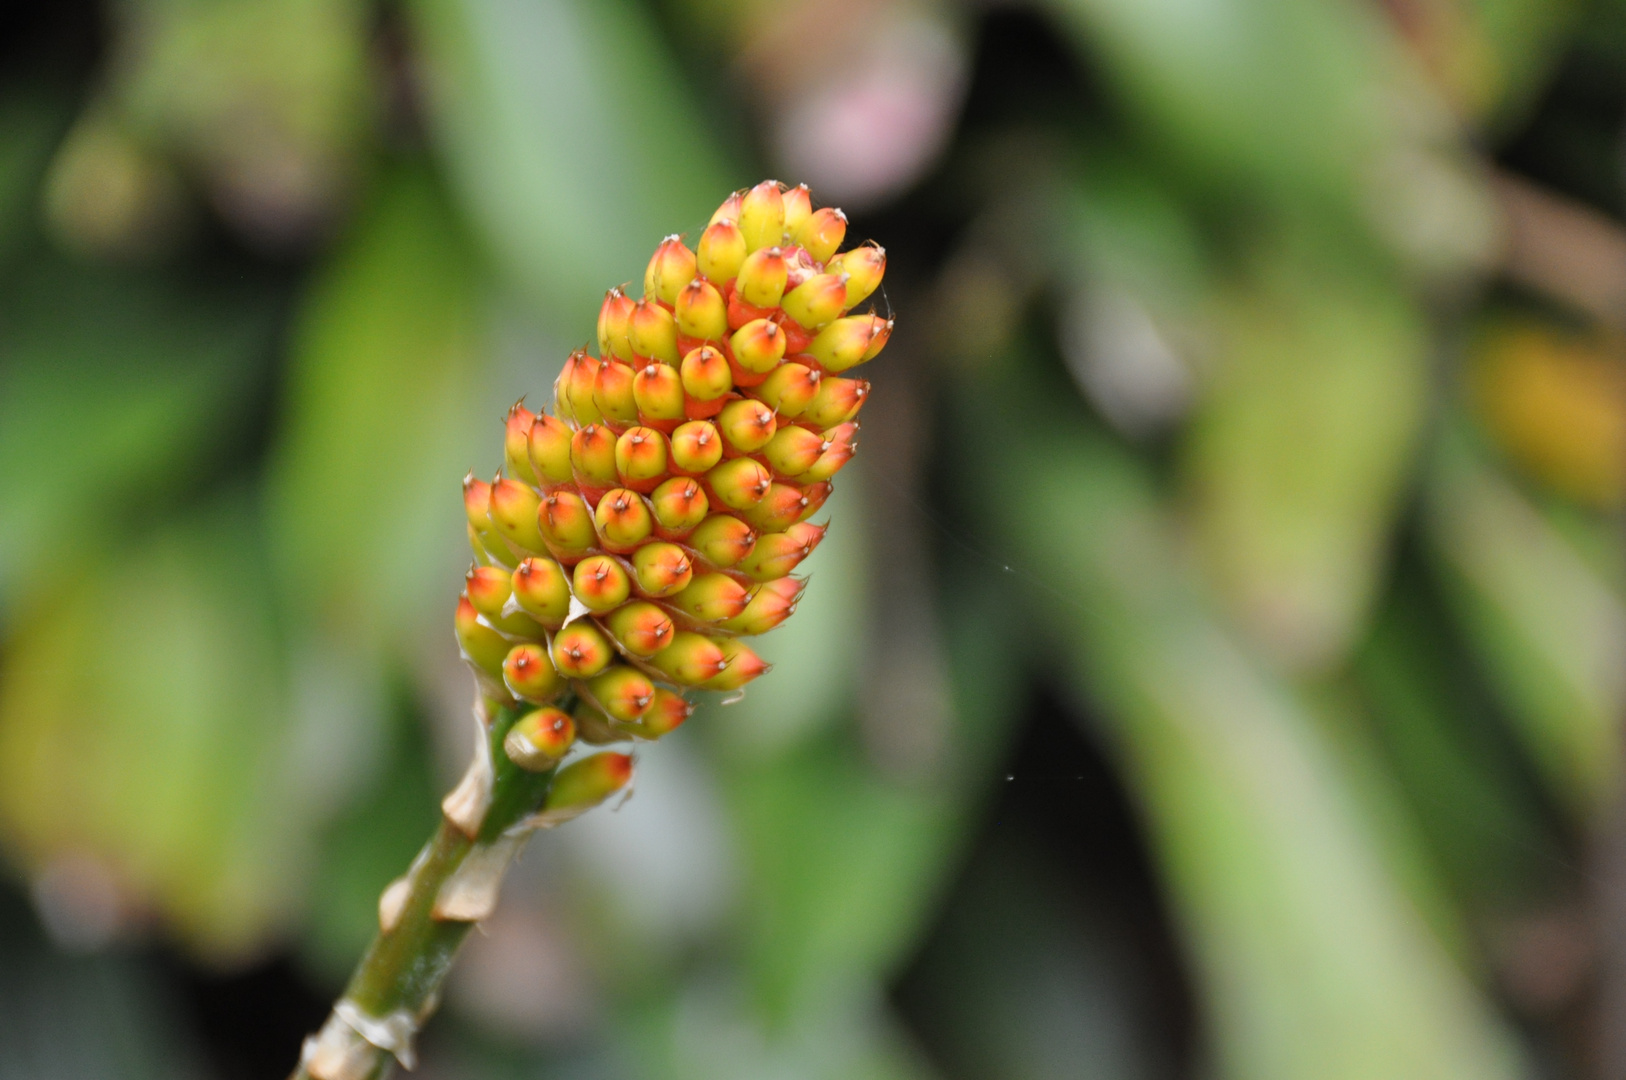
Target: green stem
pixel 397 984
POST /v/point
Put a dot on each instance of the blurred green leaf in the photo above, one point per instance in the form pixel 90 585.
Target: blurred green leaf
pixel 572 139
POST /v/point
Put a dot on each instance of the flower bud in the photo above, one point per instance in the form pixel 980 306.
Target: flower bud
pixel 488 589
pixel 746 425
pixel 701 312
pixel 680 504
pixel 721 252
pixel 781 508
pixel 816 301
pixel 729 211
pixel 821 234
pixel 798 203
pixel 758 346
pixel 513 512
pixel 741 665
pixel 690 660
pixel 482 646
pixel 761 280
pixel 622 519
pixel 696 447
pixel 614 315
pixel 549 449
pixel 789 390
pixel 612 393
pixel 723 540
pixel 583 381
pixel 842 442
pixel 584 784
pixel 771 604
pixel 539 739
pixel 666 714
pixel 659 393
pixel 864 267
pixel 641 458
pixel 739 483
pixel 842 344
pixel 711 598
pixel 580 651
pixel 671 268
pixel 705 374
pixel 529 673
pixel 567 525
pixel 837 401
pixel 516 442
pixel 661 569
pixel 653 332
pixel 477 503
pixel 600 583
pixel 592 459
pixel 777 554
pixel 623 692
pixel 878 340
pixel 762 216
pixel 642 628
pixel 815 494
pixel 541 590
pixel 561 388
pixel 793 450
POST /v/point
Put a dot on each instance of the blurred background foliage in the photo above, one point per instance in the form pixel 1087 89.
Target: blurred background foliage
pixel 1216 669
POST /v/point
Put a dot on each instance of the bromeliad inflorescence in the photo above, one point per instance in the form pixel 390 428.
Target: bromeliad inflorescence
pixel 630 542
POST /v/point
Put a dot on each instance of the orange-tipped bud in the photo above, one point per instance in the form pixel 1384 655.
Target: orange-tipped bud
pixel 815 494
pixel 600 583
pixel 771 604
pixel 561 388
pixel 549 448
pixel 583 381
pixel 690 660
pixel 864 267
pixel 530 675
pixel 584 784
pixel 567 525
pixel 614 317
pixel 592 457
pixel 762 276
pixel 843 343
pixel 482 646
pixel 723 540
pixel 721 252
pixel 740 483
pixel 701 312
pixel 762 216
pixel 877 342
pixel 539 739
pixel 821 234
pixel 793 450
pixel 680 504
pixel 612 393
pixel 516 449
pixel 696 447
pixel 624 693
pixel 661 569
pixel 789 390
pixel 623 520
pixel 671 268
pixel 837 401
pixel 488 589
pixel 816 301
pixel 666 714
pixel 642 628
pixel 658 390
pixel 653 332
pixel 641 458
pixel 477 503
pixel 580 651
pixel 741 665
pixel 705 374
pixel 711 598
pixel 758 346
pixel 798 205
pixel 541 590
pixel 747 425
pixel 781 508
pixel 777 554
pixel 842 443
pixel 729 211
pixel 513 512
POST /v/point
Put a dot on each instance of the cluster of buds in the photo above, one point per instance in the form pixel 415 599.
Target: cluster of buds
pixel 634 537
